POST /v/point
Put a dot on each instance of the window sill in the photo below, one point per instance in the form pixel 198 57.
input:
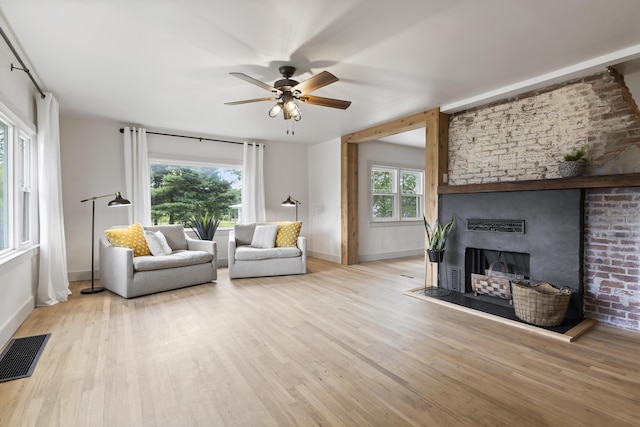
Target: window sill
pixel 15 258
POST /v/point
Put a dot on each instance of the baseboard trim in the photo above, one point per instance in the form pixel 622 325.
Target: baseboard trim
pixel 325 257
pixel 390 255
pixel 13 323
pixel 77 276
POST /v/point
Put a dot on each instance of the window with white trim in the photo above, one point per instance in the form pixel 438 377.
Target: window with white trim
pixel 396 193
pixel 5 181
pixel 181 190
pixel 18 217
pixel 25 193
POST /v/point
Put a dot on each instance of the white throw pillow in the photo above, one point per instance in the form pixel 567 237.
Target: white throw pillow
pixel 157 243
pixel 264 236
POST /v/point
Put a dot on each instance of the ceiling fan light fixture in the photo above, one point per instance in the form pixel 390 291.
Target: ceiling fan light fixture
pixel 285 92
pixel 275 110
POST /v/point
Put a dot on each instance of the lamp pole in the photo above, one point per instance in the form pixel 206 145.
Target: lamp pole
pixel 118 201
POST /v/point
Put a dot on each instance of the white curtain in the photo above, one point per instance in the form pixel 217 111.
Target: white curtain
pixel 53 284
pixel 253 207
pixel 137 182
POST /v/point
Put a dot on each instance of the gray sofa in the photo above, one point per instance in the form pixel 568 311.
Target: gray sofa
pixel 246 261
pixel 191 262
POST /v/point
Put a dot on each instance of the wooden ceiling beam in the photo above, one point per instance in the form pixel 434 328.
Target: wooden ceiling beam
pixel 415 121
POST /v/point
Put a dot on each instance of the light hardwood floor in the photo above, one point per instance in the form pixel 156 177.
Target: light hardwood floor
pixel 338 346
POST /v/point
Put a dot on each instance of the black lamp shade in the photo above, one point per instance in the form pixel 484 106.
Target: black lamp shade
pixel 289 202
pixel 119 201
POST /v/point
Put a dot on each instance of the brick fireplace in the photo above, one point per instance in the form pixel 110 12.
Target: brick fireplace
pixel 524 139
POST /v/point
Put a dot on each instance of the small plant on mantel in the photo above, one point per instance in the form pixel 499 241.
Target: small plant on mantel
pixel 437 238
pixel 576 155
pixel 573 164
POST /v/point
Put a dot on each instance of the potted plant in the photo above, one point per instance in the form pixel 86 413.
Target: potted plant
pixel 204 226
pixel 437 238
pixel 573 164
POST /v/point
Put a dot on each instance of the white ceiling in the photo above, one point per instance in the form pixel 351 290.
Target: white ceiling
pixel 165 64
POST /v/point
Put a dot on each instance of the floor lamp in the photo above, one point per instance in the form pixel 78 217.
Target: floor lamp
pixel 118 201
pixel 292 202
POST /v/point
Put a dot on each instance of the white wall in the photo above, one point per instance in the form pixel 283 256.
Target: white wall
pixel 324 231
pixel 386 240
pixel 18 276
pixel 91 153
pixel 286 173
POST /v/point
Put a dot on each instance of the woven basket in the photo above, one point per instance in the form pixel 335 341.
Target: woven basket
pixel 495 284
pixel 540 304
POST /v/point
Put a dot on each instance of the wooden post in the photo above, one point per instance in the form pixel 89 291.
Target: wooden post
pixel 436 169
pixel 349 202
pixel 437 131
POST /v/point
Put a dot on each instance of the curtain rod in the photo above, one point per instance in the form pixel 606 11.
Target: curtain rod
pixel 24 67
pixel 191 137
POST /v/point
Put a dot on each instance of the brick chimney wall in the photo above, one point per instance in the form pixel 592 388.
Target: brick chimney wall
pixel 526 137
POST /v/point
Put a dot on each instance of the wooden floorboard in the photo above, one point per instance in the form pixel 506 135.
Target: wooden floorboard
pixel 340 346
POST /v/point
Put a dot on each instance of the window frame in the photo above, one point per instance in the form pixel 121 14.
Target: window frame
pixel 397 216
pixel 22 185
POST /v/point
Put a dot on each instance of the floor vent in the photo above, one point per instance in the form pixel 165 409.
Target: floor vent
pixel 20 357
pixel 496 225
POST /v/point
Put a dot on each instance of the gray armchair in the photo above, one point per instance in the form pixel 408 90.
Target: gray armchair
pixel 246 261
pixel 192 262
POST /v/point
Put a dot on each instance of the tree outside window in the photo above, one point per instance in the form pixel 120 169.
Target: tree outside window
pixel 179 192
pixel 383 184
pixel 411 192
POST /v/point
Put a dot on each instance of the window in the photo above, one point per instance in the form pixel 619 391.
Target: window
pixel 24 188
pixel 181 191
pixel 396 193
pixel 5 223
pixel 383 192
pixel 17 195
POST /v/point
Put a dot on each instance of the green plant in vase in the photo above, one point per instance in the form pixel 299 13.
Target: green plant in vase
pixel 205 226
pixel 573 164
pixel 437 238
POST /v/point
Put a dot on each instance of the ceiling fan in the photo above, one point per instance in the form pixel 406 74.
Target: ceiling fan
pixel 286 91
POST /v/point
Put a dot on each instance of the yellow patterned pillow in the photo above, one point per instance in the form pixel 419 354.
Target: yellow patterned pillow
pixel 131 237
pixel 288 234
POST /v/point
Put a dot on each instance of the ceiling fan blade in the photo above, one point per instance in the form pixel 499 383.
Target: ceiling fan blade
pixel 325 102
pixel 256 82
pixel 247 101
pixel 315 82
